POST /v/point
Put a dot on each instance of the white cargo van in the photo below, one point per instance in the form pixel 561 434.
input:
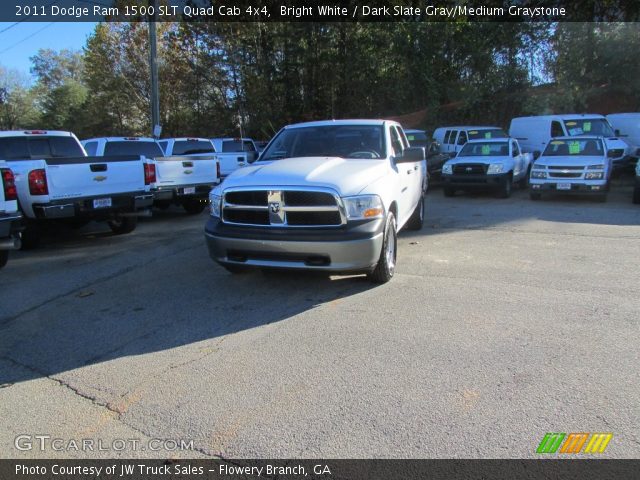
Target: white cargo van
pixel 627 127
pixel 452 139
pixel 534 133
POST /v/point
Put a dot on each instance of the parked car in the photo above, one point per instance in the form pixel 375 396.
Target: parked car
pixel 327 196
pixel 493 163
pixel 56 180
pixel 452 139
pixel 627 127
pixel 534 133
pixel 244 146
pixel 179 179
pixel 572 165
pixel 10 217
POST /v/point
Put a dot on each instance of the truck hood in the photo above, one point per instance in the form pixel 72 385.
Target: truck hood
pixel 345 176
pixel 484 160
pixel 572 160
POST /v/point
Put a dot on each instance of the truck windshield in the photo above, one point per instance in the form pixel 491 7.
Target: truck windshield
pixel 28 148
pixel 590 126
pixel 479 134
pixel 190 147
pixel 345 141
pixel 479 149
pixel 238 146
pixel 587 146
pixel 133 147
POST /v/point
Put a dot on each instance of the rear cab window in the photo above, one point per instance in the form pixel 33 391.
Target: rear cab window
pixel 190 147
pixel 33 148
pixel 131 147
pixel 238 146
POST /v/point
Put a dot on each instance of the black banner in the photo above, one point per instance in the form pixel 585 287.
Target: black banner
pixel 579 469
pixel 317 10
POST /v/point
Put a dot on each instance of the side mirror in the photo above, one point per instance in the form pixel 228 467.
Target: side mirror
pixel 411 154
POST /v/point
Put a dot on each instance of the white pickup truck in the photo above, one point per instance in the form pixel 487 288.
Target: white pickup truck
pixel 235 153
pixel 328 196
pixel 581 165
pixel 56 180
pixel 9 215
pixel 487 164
pixel 182 180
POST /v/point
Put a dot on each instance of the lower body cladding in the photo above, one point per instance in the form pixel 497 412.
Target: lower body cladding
pixel 348 249
pixel 96 207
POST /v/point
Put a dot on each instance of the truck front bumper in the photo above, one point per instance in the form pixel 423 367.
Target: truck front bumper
pixel 350 249
pixel 10 225
pixel 581 187
pixel 84 207
pixel 474 181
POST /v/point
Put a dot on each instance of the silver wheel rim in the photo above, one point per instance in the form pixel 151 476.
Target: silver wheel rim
pixel 390 253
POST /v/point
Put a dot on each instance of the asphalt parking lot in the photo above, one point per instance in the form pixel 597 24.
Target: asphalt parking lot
pixel 506 319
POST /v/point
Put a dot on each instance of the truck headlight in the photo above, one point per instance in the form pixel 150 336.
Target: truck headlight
pixel 594 175
pixel 447 169
pixel 495 168
pixel 215 201
pixel 363 207
pixel 538 174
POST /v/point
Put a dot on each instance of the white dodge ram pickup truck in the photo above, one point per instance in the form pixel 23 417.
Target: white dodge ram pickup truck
pixel 491 163
pixel 182 180
pixel 9 215
pixel 57 181
pixel 327 196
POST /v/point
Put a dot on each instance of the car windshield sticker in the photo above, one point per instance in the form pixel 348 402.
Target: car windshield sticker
pixel 473 132
pixel 410 137
pixel 574 148
pixel 487 134
pixel 557 142
pixel 586 126
pixel 570 124
pixel 486 149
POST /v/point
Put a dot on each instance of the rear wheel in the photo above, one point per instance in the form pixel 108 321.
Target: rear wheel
pixel 122 225
pixel 4 256
pixel 417 217
pixel 193 206
pixel 387 262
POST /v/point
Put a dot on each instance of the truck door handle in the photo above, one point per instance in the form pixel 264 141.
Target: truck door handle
pixel 98 167
pixel 409 172
pixel 187 164
pixel 415 167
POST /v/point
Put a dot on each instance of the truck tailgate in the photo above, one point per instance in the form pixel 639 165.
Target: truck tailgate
pixel 186 170
pixel 73 177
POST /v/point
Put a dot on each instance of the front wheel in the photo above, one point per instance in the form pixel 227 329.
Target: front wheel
pixel 387 262
pixel 4 256
pixel 417 217
pixel 122 225
pixel 504 191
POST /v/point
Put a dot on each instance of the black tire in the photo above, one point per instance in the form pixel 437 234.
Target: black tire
pixel 535 196
pixel 417 217
pixel 4 256
pixel 504 190
pixel 636 195
pixel 193 206
pixel 30 237
pixel 122 225
pixel 448 191
pixel 387 262
pixel 237 269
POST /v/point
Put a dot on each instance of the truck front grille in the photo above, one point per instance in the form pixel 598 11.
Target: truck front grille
pixel 469 169
pixel 282 208
pixel 568 171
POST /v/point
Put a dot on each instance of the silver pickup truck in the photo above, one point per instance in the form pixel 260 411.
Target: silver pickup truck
pixel 328 196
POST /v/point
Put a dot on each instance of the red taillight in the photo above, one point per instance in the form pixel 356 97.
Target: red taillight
pixel 218 169
pixel 36 132
pixel 9 182
pixel 149 173
pixel 38 182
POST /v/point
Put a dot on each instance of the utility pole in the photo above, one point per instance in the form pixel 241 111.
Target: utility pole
pixel 156 129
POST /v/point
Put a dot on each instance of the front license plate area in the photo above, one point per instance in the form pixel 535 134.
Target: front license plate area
pixel 563 186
